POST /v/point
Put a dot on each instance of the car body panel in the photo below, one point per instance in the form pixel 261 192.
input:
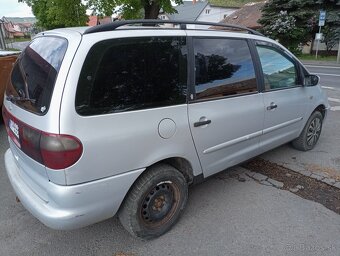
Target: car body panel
pixel 233 134
pixel 70 207
pixel 283 123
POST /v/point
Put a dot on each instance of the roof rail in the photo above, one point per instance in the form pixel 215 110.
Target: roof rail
pixel 182 23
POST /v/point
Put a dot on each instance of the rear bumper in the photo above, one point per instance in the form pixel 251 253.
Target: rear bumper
pixel 70 207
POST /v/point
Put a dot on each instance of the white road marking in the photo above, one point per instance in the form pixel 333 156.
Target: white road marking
pixel 336 108
pixel 312 66
pixel 323 74
pixel 334 100
pixel 329 88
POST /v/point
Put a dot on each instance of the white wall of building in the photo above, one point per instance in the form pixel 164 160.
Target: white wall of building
pixel 215 14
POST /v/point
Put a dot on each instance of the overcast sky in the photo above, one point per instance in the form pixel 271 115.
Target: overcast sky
pixel 11 8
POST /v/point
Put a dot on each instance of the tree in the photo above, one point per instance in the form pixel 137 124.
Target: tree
pixel 331 30
pixel 58 13
pixel 295 22
pixel 132 9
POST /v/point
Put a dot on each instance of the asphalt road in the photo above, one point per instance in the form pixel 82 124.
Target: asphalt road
pixel 329 75
pixel 224 217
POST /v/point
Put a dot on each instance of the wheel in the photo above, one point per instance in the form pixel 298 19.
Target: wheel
pixel 310 133
pixel 155 202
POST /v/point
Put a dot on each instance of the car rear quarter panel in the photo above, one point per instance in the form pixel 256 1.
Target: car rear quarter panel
pixel 121 142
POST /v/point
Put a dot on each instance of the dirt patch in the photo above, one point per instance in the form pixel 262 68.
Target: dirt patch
pixel 310 188
pixel 330 172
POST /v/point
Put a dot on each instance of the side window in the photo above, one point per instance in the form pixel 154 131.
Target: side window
pixel 223 67
pixel 278 70
pixel 131 74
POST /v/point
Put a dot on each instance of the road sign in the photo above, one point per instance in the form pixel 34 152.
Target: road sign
pixel 318 36
pixel 322 18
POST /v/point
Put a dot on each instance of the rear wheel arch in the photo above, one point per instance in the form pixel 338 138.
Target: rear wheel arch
pixel 182 165
pixel 179 163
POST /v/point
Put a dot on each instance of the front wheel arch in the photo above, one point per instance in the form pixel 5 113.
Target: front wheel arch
pixel 310 133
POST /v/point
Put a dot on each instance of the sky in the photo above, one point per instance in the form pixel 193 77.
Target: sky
pixel 11 8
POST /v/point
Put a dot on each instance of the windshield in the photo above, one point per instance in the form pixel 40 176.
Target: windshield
pixel 34 74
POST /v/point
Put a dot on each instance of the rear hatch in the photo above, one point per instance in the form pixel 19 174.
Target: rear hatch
pixel 31 111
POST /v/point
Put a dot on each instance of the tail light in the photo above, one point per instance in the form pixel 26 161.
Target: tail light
pixel 55 151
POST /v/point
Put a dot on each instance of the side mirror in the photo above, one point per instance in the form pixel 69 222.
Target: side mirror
pixel 311 80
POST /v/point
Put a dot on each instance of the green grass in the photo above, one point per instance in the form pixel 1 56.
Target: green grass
pixel 232 3
pixel 13 40
pixel 12 49
pixel 320 57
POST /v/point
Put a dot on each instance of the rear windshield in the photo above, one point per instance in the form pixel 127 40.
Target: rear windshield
pixel 34 74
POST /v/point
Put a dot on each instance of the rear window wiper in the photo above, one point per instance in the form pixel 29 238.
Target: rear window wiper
pixel 13 98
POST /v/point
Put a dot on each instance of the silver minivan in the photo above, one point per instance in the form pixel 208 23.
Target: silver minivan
pixel 122 119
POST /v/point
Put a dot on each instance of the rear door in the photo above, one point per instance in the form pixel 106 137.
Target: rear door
pixel 285 99
pixel 226 110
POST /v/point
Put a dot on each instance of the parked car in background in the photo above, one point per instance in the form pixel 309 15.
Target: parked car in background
pixel 7 59
pixel 122 119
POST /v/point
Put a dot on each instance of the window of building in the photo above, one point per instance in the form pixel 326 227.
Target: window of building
pixel 131 74
pixel 224 67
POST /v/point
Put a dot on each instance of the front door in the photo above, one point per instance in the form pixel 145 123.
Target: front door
pixel 285 99
pixel 226 113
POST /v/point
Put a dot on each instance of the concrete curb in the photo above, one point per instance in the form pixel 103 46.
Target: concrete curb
pixel 265 180
pixel 319 176
pixel 320 63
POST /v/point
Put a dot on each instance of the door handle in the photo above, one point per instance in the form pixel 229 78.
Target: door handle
pixel 272 106
pixel 200 123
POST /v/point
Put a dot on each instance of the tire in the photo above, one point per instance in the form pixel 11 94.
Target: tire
pixel 310 133
pixel 155 202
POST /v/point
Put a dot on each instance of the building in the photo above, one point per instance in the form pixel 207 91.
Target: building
pixel 246 16
pixel 198 11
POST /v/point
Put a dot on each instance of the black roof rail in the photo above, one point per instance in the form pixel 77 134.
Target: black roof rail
pixel 182 23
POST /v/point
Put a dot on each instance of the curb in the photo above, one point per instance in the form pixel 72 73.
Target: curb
pixel 265 180
pixel 319 177
pixel 320 63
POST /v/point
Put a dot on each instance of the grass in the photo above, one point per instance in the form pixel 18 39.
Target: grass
pixel 320 57
pixel 232 3
pixel 14 40
pixel 12 49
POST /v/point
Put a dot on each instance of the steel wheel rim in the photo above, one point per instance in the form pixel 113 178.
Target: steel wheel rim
pixel 160 204
pixel 313 132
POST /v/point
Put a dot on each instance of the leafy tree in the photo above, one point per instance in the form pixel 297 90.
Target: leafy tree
pixel 295 22
pixel 331 30
pixel 58 13
pixel 132 9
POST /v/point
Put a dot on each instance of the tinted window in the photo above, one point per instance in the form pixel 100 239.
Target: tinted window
pixel 223 67
pixel 35 72
pixel 279 72
pixel 131 74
